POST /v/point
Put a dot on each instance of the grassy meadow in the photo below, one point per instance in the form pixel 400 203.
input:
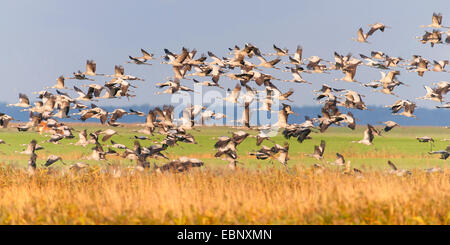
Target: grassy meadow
pixel 398 145
pixel 258 192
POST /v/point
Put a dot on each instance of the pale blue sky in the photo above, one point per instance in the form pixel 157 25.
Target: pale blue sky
pixel 44 39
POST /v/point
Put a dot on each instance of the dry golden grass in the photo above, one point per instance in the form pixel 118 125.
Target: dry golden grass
pixel 220 196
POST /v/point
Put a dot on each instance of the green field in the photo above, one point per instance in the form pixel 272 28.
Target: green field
pixel 399 146
pixel 112 192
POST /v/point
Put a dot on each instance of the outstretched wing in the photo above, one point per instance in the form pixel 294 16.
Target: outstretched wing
pixel 392 165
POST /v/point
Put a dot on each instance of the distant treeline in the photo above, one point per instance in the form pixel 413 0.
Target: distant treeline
pixel 425 117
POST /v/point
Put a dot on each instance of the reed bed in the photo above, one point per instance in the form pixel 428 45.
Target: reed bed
pixel 121 195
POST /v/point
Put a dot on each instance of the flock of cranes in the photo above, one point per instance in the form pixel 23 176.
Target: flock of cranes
pixel 59 104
